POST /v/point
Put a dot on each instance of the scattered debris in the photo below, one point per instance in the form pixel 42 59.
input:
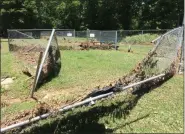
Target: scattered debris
pixel 96 45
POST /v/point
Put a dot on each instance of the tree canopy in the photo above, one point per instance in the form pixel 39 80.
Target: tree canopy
pixel 91 14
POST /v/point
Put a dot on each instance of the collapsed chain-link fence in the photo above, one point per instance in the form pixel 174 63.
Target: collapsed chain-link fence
pixel 138 36
pixel 28 47
pixel 163 59
pixel 181 64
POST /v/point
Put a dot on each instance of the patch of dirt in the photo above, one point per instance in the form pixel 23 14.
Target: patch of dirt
pixel 27 48
pixel 7 101
pixel 61 97
pixel 39 109
pixel 96 45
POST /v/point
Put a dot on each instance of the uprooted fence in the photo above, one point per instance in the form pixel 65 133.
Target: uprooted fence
pixel 28 47
pixel 159 65
pixel 164 58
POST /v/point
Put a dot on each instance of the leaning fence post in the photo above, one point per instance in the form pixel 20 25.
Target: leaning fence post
pixel 34 83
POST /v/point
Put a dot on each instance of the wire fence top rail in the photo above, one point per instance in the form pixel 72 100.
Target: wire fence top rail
pixel 147 30
pixel 42 29
pixel 95 29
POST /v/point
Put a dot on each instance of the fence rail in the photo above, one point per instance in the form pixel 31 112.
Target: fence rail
pixel 102 36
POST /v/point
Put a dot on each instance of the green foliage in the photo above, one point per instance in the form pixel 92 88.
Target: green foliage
pixel 91 14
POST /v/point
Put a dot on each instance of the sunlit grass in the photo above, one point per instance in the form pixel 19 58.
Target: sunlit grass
pixel 159 111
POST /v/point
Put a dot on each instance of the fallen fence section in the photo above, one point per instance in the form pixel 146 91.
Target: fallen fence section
pixel 89 100
pixel 141 82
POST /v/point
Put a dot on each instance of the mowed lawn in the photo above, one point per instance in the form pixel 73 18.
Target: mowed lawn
pixel 81 72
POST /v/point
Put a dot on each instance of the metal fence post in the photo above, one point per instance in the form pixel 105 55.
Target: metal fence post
pixel 74 33
pixel 8 40
pixel 36 75
pixel 100 37
pixel 87 34
pixel 116 39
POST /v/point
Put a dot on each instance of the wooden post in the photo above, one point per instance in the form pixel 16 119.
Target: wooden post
pixel 34 83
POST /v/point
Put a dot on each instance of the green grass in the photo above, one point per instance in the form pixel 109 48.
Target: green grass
pixel 70 40
pixel 14 109
pixel 159 111
pixel 19 89
pixel 6 64
pixel 81 70
pixel 137 49
pixel 10 67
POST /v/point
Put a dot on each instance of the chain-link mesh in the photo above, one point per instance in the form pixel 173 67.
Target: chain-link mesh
pixel 27 46
pixel 162 59
pixel 96 39
pixel 138 36
pixel 166 51
pixel 103 36
pixel 112 39
pixel 94 35
pixel 65 33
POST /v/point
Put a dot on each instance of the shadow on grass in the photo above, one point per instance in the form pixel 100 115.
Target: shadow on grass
pixel 128 123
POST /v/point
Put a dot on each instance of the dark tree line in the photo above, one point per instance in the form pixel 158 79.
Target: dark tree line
pixel 91 14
